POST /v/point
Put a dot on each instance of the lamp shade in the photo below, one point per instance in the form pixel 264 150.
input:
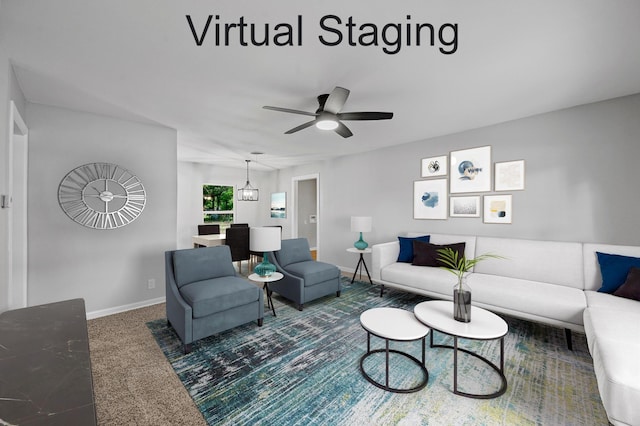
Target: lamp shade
pixel 264 238
pixel 360 223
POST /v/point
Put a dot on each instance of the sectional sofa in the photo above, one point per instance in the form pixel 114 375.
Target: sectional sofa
pixel 551 282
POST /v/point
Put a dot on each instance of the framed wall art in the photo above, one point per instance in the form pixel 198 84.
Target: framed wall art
pixel 509 176
pixel 430 199
pixel 279 205
pixel 497 209
pixel 434 166
pixel 471 170
pixel 464 206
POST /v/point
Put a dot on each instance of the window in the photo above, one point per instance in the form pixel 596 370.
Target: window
pixel 217 205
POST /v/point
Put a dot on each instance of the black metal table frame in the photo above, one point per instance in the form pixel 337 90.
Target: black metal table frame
pixel 269 299
pixel 387 351
pixel 499 370
pixel 361 263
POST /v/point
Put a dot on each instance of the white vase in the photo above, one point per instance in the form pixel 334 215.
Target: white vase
pixel 462 301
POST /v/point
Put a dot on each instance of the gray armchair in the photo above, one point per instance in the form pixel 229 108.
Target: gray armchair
pixel 304 278
pixel 205 296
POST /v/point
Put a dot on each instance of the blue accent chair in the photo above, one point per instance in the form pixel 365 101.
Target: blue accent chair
pixel 304 278
pixel 205 296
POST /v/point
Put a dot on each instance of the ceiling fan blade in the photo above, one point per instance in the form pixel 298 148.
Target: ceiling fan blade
pixel 365 116
pixel 300 127
pixel 292 111
pixel 343 131
pixel 336 100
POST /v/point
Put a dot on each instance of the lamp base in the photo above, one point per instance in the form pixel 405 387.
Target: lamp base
pixel 361 244
pixel 265 268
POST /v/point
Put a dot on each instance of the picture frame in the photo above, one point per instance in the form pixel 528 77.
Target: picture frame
pixel 434 166
pixel 430 199
pixel 464 206
pixel 470 170
pixel 509 176
pixel 498 209
pixel 278 205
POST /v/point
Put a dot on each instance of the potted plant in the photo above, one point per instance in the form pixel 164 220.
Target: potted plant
pixel 460 267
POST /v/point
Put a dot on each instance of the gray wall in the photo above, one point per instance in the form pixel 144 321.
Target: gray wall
pixel 108 268
pixel 581 181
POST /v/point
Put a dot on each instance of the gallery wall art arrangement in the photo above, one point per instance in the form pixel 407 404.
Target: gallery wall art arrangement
pixel 469 172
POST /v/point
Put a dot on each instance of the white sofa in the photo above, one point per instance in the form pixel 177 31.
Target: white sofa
pixel 550 282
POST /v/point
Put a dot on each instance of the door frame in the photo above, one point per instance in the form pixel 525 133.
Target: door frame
pixel 16 205
pixel 294 203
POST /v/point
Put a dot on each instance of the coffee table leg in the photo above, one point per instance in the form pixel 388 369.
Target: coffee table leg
pixel 387 368
pixel 502 355
pixel 455 364
pixel 498 369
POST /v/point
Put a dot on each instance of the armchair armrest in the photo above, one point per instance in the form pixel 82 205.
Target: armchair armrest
pixel 179 313
pixel 290 286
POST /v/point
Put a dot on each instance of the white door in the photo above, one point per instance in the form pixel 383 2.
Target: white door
pixel 16 205
pixel 305 209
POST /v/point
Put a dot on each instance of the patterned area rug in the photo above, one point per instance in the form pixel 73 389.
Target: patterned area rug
pixel 302 368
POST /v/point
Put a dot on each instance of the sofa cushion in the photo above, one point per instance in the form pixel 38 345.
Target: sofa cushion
pixel 426 254
pixel 313 272
pixel 406 247
pixel 191 265
pixel 218 294
pixel 293 251
pixel 615 359
pixel 430 281
pixel 631 287
pixel 550 262
pixel 614 269
pixel 528 299
pixel 609 301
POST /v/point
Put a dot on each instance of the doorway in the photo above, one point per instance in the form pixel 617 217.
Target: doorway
pixel 306 199
pixel 16 204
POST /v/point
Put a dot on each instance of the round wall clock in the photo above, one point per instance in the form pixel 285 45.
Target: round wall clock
pixel 102 196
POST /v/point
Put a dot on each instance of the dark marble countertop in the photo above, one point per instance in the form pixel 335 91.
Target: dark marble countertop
pixel 45 368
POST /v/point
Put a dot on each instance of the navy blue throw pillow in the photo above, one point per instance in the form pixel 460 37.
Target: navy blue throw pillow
pixel 406 247
pixel 614 269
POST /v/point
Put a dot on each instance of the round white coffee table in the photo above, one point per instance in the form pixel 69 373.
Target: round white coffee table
pixel 484 325
pixel 398 325
pixel 266 280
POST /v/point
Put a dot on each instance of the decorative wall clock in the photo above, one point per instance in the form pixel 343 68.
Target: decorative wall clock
pixel 102 196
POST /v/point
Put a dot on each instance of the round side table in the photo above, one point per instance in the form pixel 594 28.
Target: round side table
pixel 398 325
pixel 266 280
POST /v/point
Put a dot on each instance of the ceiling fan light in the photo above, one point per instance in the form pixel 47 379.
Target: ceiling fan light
pixel 327 124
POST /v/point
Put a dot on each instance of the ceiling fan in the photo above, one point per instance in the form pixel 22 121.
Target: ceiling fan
pixel 328 115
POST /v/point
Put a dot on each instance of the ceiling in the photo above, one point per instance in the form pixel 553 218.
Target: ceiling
pixel 138 60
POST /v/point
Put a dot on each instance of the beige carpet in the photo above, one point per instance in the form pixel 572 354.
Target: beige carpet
pixel 133 381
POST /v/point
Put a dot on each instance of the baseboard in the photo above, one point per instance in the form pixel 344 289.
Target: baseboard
pixel 124 308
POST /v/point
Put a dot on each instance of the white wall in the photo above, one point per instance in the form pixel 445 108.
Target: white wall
pixel 108 268
pixel 9 90
pixel 191 177
pixel 581 181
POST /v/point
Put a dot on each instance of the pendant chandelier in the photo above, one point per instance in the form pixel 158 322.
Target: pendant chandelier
pixel 248 192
